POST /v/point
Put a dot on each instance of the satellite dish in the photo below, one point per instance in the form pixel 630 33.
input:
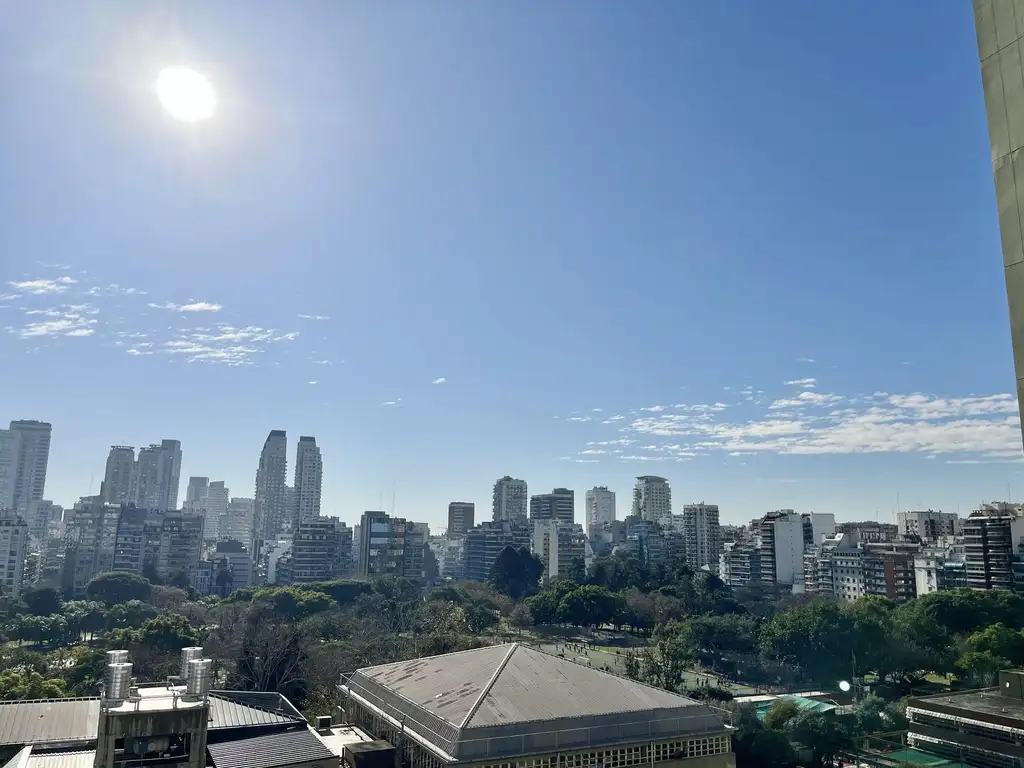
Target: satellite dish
pixel 844 686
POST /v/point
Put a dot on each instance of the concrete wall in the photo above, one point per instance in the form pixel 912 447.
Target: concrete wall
pixel 1000 25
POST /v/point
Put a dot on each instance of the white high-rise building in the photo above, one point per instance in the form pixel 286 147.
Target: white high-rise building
pixel 702 536
pixel 600 505
pixel 33 456
pixel 13 551
pixel 309 471
pixel 118 478
pixel 558 543
pixel 237 520
pixel 157 476
pixel 216 504
pixel 271 509
pixel 652 498
pixel 510 501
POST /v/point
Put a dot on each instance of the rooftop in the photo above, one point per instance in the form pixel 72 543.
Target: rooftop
pixel 512 699
pixel 70 721
pixel 988 702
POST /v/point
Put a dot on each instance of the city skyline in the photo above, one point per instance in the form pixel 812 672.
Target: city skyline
pixel 284 265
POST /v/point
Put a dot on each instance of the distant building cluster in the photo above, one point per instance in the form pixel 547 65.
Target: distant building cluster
pixel 214 542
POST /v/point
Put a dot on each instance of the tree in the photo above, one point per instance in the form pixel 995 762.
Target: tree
pixel 515 573
pixel 20 684
pixel 41 601
pixel 133 613
pixel 114 588
pixel 431 571
pixel 223 579
pixel 780 713
pixel 588 606
pixel 180 580
pixel 824 734
pixel 272 658
pixel 817 637
pixel 756 746
pixel 577 572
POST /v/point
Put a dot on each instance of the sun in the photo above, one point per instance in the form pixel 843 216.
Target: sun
pixel 186 94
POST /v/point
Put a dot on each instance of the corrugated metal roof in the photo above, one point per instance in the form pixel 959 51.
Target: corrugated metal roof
pixel 269 751
pixel 48 720
pixel 53 721
pixel 83 759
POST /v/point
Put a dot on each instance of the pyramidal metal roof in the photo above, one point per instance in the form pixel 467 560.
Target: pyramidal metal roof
pixel 513 699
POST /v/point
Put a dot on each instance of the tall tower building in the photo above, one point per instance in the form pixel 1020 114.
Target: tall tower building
pixel 309 470
pixel 196 490
pixel 600 506
pixel 1000 49
pixel 560 505
pixel 510 500
pixel 271 510
pixel 652 498
pixel 157 476
pixel 460 518
pixel 218 496
pixel 13 551
pixel 118 476
pixel 702 536
pixel 33 455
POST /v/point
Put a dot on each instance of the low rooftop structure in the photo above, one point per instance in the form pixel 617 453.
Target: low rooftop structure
pixel 496 705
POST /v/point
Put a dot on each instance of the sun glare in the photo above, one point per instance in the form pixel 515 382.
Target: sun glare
pixel 186 94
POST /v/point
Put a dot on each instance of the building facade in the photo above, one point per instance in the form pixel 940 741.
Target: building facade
pixel 13 551
pixel 271 504
pixel 461 516
pixel 484 542
pixel 702 536
pixel 558 545
pixel 928 525
pixel 509 500
pixel 560 505
pixel 600 506
pixel 31 446
pixel 119 476
pixel 652 498
pixel 309 472
pixel 994 545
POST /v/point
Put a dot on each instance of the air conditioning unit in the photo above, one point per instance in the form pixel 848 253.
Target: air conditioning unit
pixel 323 722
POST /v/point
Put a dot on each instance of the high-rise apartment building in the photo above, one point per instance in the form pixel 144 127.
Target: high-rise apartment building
pixel 32 457
pixel 702 536
pixel 460 518
pixel 998 24
pixel 381 544
pixel 236 522
pixel 91 539
pixel 271 508
pixel 560 504
pixel 218 496
pixel 600 506
pixel 119 476
pixel 8 467
pixel 509 501
pixel 484 542
pixel 558 545
pixel 13 551
pixel 782 549
pixel 197 489
pixel 928 525
pixel 157 476
pixel 308 480
pixel 652 498
pixel 231 556
pixel 314 554
pixel 994 546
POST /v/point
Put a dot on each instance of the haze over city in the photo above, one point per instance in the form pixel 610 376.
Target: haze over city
pixel 754 253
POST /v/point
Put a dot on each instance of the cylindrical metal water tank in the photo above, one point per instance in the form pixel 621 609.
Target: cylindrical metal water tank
pixel 200 673
pixel 117 657
pixel 189 654
pixel 117 681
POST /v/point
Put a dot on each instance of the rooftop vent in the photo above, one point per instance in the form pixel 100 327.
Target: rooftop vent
pixel 200 673
pixel 323 722
pixel 189 654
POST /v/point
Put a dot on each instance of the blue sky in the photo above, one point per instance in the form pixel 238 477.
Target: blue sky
pixel 662 210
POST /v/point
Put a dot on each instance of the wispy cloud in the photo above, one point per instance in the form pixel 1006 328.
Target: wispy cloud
pixel 68 320
pixel 313 382
pixel 42 286
pixel 440 380
pixel 805 383
pixel 805 359
pixel 966 429
pixel 195 306
pixel 314 317
pixel 225 344
pixel 390 403
pixel 113 290
pixel 321 362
